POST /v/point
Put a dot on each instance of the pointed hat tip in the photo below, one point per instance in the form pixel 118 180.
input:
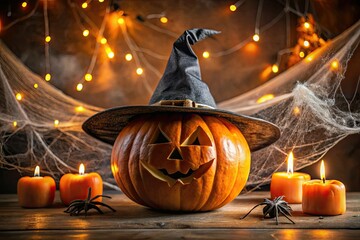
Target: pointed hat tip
pixel 196 34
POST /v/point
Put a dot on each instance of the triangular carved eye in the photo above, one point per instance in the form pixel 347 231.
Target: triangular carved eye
pixel 198 138
pixel 159 137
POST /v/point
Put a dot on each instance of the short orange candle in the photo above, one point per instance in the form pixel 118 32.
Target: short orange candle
pixel 76 186
pixel 324 197
pixel 37 191
pixel 288 184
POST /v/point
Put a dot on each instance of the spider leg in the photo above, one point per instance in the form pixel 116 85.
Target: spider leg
pixel 97 208
pixel 286 216
pixel 97 196
pixel 277 215
pixel 263 203
pixel 103 204
pixel 269 210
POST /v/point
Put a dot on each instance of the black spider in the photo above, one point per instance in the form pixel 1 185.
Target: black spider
pixel 77 206
pixel 273 208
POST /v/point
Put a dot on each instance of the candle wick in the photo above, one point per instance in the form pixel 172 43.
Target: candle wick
pixel 323 180
pixel 36 175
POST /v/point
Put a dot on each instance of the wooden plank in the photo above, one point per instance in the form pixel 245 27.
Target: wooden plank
pixel 129 215
pixel 218 234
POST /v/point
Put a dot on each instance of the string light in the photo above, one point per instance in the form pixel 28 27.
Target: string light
pixel 164 19
pixel 14 123
pixel 128 57
pixel 109 52
pixel 306 25
pixel 84 5
pixel 86 33
pixel 275 68
pixel 306 44
pixel 56 122
pixel 79 109
pixel 256 37
pixel 88 77
pixel 301 54
pixel 334 65
pixel 19 96
pixel 265 98
pixel 48 77
pixel 139 71
pixel 206 54
pixel 233 8
pixel 296 110
pixel 47 39
pixel 103 41
pixel 309 58
pixel 121 21
pixel 79 87
pixel 24 4
pixel 36 85
pixel 101 1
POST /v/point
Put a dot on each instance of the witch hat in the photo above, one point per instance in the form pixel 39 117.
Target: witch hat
pixel 181 90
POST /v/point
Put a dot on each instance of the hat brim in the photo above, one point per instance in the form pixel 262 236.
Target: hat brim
pixel 106 125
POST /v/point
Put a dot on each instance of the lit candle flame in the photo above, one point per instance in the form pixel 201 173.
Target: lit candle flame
pixel 81 169
pixel 290 163
pixel 37 171
pixel 322 171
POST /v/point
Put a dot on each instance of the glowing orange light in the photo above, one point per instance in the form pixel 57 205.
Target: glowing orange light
pixel 301 54
pixel 274 68
pixel 322 171
pixel 82 169
pixel 256 37
pixel 265 98
pixel 109 52
pixel 79 87
pixel 47 39
pixel 47 77
pixel 37 171
pixel 19 96
pixel 79 109
pixel 14 123
pixel 56 123
pixel 128 57
pixel 306 44
pixel 36 85
pixel 88 77
pixel 101 1
pixel 139 71
pixel 24 4
pixel 266 73
pixel 86 33
pixel 290 164
pixel 164 19
pixel 84 5
pixel 334 65
pixel 309 58
pixel 206 54
pixel 233 8
pixel 296 110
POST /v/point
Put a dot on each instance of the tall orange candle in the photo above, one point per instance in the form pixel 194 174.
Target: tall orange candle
pixel 76 186
pixel 37 191
pixel 288 184
pixel 324 197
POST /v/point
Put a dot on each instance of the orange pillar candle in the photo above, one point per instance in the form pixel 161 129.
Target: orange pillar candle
pixel 37 191
pixel 288 184
pixel 76 186
pixel 324 197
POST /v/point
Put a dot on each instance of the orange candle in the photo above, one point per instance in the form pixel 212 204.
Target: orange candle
pixel 76 186
pixel 288 184
pixel 37 191
pixel 324 197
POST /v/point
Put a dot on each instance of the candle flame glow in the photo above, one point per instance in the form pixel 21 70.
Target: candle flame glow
pixel 290 163
pixel 81 169
pixel 322 171
pixel 37 171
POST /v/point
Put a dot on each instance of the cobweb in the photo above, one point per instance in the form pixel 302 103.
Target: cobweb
pixel 308 106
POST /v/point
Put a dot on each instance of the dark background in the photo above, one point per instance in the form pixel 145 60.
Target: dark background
pixel 115 83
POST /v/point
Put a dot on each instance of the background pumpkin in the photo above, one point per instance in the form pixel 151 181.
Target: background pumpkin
pixel 151 144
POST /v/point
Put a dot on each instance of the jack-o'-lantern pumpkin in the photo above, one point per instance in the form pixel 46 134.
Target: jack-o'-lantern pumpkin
pixel 180 153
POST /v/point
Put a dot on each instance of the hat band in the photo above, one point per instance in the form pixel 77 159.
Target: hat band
pixel 181 103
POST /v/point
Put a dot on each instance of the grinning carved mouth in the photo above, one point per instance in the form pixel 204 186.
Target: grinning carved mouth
pixel 173 178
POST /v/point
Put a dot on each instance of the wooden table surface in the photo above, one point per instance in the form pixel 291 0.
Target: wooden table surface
pixel 132 221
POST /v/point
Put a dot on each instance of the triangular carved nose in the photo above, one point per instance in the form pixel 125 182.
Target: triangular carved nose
pixel 175 155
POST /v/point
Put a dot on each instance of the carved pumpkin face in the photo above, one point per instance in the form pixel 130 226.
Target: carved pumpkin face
pixel 181 161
